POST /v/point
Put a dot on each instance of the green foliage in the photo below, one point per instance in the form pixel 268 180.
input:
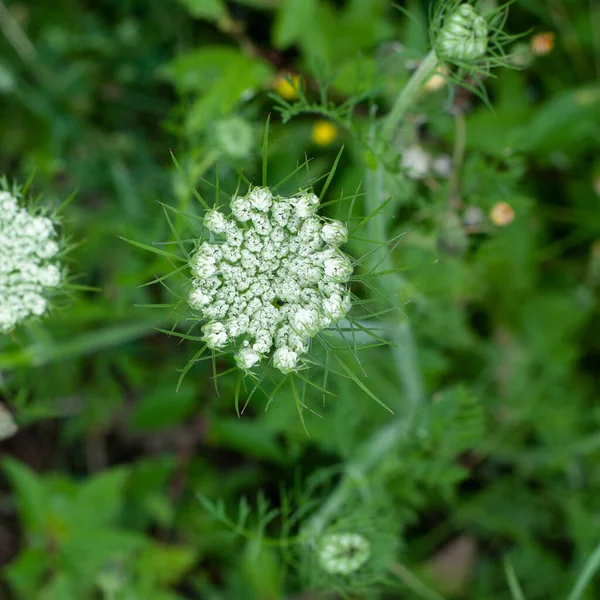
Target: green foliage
pixel 479 285
pixel 74 542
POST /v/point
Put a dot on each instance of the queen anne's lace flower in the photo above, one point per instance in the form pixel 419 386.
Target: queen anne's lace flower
pixel 343 553
pixel 271 279
pixel 28 262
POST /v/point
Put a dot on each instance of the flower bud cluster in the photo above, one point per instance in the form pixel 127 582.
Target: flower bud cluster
pixel 29 268
pixel 343 553
pixel 273 277
pixel 464 35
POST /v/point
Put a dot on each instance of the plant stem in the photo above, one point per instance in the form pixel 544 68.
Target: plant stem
pixel 377 446
pixel 407 96
pixel 458 155
pixel 405 355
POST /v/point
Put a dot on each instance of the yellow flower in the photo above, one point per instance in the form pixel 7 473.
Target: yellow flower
pixel 542 43
pixel 502 214
pixel 324 133
pixel 287 85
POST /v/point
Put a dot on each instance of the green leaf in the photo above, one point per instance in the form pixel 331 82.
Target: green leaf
pixel 99 499
pixel 26 572
pixel 293 19
pixel 198 70
pixel 569 122
pixel 587 573
pixel 88 549
pixel 220 75
pixel 31 494
pixel 248 437
pixel 241 75
pixel 212 10
pixel 160 564
pixel 163 407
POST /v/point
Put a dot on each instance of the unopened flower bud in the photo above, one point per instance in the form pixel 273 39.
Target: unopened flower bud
pixel 463 37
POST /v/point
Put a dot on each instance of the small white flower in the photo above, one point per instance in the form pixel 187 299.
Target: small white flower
pixel 48 249
pixel 241 209
pixel 305 322
pixel 215 221
pixel 306 205
pixel 260 198
pixel 285 359
pixel 442 165
pixel 246 358
pixel 199 298
pixel 204 266
pixel 336 306
pixel 337 266
pixel 334 233
pixel 415 162
pixel 215 335
pixel 49 276
pixel 8 427
pixel 343 553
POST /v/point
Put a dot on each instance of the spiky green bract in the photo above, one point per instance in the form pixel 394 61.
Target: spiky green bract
pixel 32 248
pixel 263 278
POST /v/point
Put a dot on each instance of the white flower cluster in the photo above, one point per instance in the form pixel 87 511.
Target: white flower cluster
pixel 464 35
pixel 274 280
pixel 343 553
pixel 28 266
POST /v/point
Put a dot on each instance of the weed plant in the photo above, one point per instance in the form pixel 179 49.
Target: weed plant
pixel 326 317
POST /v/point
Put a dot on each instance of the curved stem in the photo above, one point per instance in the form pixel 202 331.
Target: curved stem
pixel 407 96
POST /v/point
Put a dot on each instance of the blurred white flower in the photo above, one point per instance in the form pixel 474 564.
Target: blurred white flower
pixel 343 553
pixel 29 267
pixel 415 162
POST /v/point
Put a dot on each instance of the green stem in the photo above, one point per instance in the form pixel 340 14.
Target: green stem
pixel 386 438
pixel 408 94
pixel 458 155
pixel 376 447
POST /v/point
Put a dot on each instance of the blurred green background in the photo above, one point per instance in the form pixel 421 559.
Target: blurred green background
pixel 99 491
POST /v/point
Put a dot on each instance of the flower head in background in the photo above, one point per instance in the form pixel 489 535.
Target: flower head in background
pixel 502 214
pixel 8 427
pixel 273 277
pixel 323 132
pixel 343 553
pixel 352 549
pixel 233 136
pixel 287 85
pixel 30 270
pixel 542 43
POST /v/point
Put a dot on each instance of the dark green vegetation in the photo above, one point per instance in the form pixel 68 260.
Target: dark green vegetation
pixel 116 487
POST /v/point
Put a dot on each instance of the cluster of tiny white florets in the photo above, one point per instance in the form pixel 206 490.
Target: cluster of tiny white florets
pixel 273 277
pixel 464 35
pixel 343 553
pixel 28 262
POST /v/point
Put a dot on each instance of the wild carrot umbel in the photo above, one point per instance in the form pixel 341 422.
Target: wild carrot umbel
pixel 30 268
